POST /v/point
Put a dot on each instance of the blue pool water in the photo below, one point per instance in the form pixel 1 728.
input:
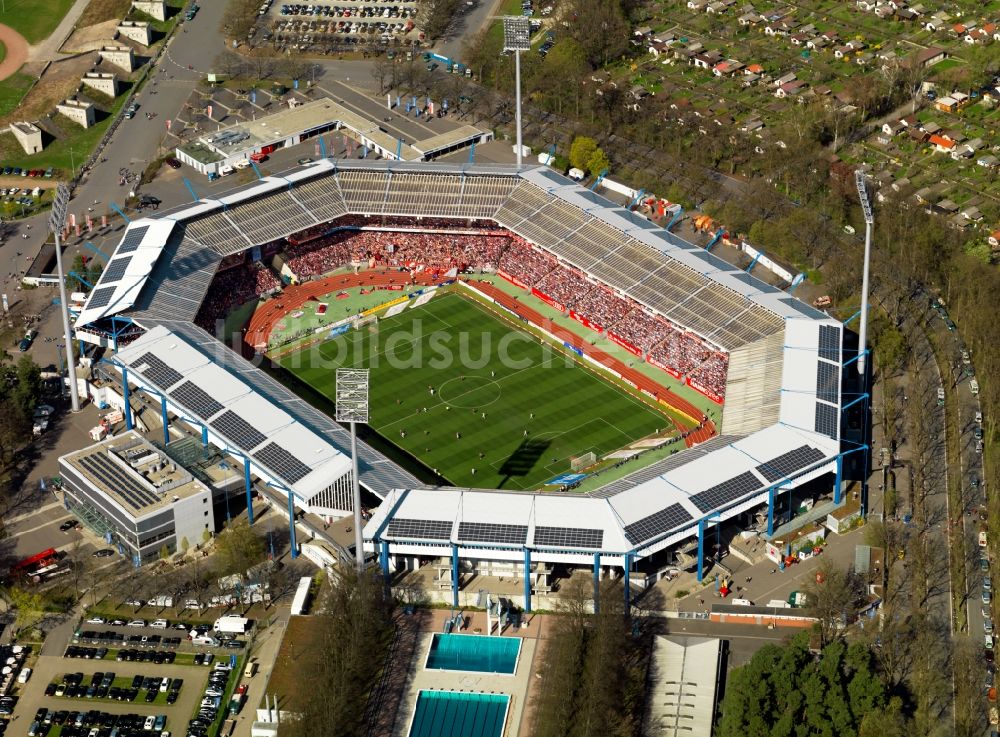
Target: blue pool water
pixel 477 653
pixel 452 714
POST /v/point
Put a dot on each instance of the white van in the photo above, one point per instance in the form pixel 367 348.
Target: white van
pixel 225 171
pixel 251 669
pixel 241 164
pixel 24 675
pixel 974 387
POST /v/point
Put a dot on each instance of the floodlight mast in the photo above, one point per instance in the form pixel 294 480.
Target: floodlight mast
pixel 517 38
pixel 57 218
pixel 352 407
pixel 866 207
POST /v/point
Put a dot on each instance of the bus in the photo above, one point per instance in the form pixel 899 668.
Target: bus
pixel 34 562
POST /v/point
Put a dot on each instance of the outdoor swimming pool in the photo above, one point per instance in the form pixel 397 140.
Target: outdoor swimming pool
pixel 454 714
pixel 477 653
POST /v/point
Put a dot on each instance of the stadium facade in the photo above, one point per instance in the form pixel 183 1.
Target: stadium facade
pixel 782 423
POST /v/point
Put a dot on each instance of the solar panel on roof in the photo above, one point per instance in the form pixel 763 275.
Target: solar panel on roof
pixel 656 524
pixel 238 430
pixel 279 460
pixel 752 281
pixel 421 529
pixel 829 342
pixel 553 177
pixel 197 400
pixel 726 492
pixel 157 371
pixel 827 420
pixel 100 297
pixel 827 382
pixel 569 537
pixel 788 463
pixel 132 239
pixel 488 532
pixel 803 308
pixel 118 480
pixel 115 270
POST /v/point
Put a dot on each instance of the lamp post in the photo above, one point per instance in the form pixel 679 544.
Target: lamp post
pixel 56 219
pixel 517 38
pixel 866 207
pixel 352 407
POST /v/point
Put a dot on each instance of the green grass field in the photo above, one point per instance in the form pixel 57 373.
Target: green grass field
pixel 479 364
pixel 33 22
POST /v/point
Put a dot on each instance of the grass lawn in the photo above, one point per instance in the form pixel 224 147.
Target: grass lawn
pixel 98 11
pixel 478 364
pixel 12 90
pixel 64 153
pixel 3 52
pixel 31 21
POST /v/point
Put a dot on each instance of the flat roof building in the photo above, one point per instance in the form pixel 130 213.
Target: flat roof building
pixel 136 497
pixel 28 135
pixel 289 127
pixel 80 112
pixel 683 685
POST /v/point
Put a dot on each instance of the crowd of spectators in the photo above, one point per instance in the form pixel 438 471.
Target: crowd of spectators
pixel 233 287
pixel 472 247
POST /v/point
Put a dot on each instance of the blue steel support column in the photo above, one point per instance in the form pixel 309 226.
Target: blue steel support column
pixel 527 580
pixel 383 556
pixel 204 436
pixel 597 582
pixel 770 511
pixel 166 426
pixel 628 584
pixel 291 524
pixel 128 407
pixel 839 481
pixel 701 549
pixel 246 481
pixel 454 575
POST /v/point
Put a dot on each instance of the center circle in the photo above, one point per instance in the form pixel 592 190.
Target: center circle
pixel 469 392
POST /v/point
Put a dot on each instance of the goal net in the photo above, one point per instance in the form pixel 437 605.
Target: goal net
pixel 583 461
pixel 362 320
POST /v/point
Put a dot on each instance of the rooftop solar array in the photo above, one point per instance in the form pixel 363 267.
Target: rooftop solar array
pixel 569 537
pixel 197 400
pixel 788 463
pixel 115 269
pixel 238 430
pixel 179 281
pixel 100 297
pixel 657 523
pixel 133 237
pixel 827 420
pixel 420 529
pixel 827 381
pixel 118 480
pixel 484 532
pixel 829 343
pixel 282 462
pixel 727 492
pixel 157 371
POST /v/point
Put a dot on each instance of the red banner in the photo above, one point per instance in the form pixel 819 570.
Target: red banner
pixel 585 322
pixel 395 288
pixel 710 394
pixel 512 279
pixel 624 344
pixel 663 367
pixel 548 300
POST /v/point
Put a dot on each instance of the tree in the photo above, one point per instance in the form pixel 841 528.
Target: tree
pixel 834 597
pixel 29 385
pixel 601 31
pixel 238 548
pixel 598 162
pixel 185 544
pixel 28 606
pixel 582 151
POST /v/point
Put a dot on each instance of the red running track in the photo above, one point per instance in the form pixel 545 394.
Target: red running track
pixel 292 298
pixel 636 378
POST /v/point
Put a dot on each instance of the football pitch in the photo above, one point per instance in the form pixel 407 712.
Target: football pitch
pixel 473 397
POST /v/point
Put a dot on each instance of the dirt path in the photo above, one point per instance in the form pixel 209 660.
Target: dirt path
pixel 17 51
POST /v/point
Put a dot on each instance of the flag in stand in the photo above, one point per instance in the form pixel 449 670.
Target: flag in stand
pixel 169 121
pixel 209 111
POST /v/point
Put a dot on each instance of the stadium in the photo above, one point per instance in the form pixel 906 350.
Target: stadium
pixel 735 388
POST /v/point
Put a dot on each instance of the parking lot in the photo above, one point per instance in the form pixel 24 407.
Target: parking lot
pixel 120 679
pixel 322 27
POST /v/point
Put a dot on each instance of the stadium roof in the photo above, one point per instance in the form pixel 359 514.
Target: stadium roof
pixel 285 445
pixel 787 404
pixel 718 481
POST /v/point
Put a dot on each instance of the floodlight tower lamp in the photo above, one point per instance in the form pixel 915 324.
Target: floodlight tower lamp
pixel 352 407
pixel 517 38
pixel 866 207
